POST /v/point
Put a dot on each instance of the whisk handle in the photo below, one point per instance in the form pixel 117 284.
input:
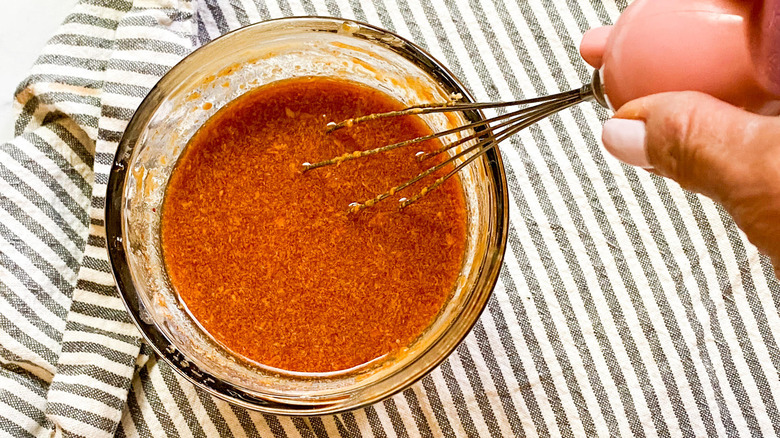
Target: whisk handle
pixel 729 49
pixel 595 91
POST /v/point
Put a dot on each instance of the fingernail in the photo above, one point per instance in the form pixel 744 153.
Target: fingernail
pixel 625 140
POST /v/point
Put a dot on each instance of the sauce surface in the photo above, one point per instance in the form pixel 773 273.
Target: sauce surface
pixel 266 257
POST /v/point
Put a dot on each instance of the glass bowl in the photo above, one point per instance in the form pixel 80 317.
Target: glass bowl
pixel 182 101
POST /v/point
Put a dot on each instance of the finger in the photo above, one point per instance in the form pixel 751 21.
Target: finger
pixel 704 144
pixel 593 45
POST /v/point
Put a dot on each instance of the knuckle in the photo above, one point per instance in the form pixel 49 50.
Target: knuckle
pixel 679 149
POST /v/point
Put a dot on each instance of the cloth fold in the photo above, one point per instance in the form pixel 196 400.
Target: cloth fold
pixel 626 306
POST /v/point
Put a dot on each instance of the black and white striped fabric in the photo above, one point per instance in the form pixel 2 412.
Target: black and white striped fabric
pixel 625 307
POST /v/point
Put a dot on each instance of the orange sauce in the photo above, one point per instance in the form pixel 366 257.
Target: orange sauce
pixel 267 258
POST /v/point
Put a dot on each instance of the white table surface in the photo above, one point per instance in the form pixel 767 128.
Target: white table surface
pixel 25 26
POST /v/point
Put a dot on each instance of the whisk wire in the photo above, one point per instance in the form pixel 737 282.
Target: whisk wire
pixel 514 117
pixel 486 145
pixel 441 107
pixel 493 136
pixel 487 133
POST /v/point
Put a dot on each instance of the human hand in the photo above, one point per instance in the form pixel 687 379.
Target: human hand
pixel 709 147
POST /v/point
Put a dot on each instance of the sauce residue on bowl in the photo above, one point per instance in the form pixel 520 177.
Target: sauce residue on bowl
pixel 266 257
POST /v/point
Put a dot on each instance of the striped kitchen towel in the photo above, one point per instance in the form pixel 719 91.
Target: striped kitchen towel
pixel 626 306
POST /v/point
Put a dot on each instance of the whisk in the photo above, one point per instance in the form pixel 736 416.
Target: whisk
pixel 487 134
pixel 725 49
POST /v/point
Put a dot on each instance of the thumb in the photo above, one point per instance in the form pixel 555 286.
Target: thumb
pixel 709 147
pixel 706 145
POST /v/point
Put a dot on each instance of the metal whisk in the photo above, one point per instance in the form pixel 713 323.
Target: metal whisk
pixel 493 131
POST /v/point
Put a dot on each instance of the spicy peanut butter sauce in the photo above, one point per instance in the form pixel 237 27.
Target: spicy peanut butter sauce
pixel 266 257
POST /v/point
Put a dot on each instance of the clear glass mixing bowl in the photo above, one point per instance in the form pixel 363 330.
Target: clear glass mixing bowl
pixel 181 102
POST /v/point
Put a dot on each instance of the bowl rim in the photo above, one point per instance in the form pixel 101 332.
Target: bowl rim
pixel 114 218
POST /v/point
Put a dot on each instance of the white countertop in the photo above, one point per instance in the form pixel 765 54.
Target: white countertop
pixel 25 26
